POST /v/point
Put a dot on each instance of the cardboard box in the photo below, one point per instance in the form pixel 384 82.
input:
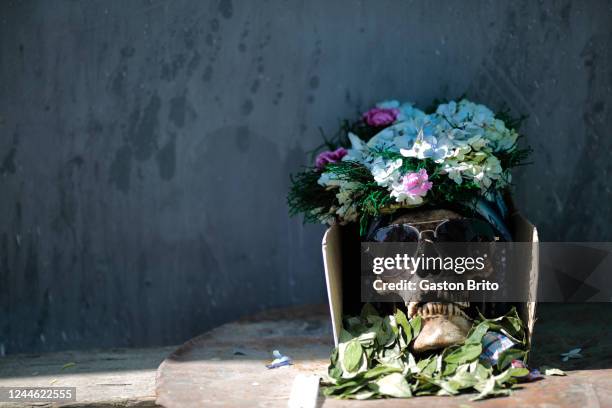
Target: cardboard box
pixel 339 270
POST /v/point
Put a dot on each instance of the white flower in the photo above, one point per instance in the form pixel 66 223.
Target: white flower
pixel 387 138
pixel 467 136
pixel 469 123
pixel 404 133
pixel 427 147
pixel 465 112
pixel 455 169
pixel 502 139
pixel 358 151
pixel 397 191
pixel 460 153
pixel 481 168
pixel 385 172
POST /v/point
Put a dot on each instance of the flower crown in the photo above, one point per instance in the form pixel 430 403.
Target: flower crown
pixel 397 156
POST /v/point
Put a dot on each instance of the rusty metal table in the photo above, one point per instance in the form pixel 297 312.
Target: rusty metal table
pixel 226 368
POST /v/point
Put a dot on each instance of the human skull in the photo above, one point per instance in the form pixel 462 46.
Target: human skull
pixel 444 323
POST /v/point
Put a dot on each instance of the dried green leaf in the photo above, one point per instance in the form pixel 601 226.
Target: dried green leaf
pixel 368 310
pixel 386 335
pixel 372 319
pixel 429 367
pixel 367 338
pixel 478 332
pixel 394 385
pixel 335 373
pixel 339 389
pixel 380 370
pixel 353 355
pixel 489 389
pixel 510 325
pixel 401 339
pixel 391 353
pixel 352 323
pixel 554 371
pixel 424 393
pixel 445 388
pixel 481 372
pixel 344 336
pixel 510 374
pixel 467 367
pixel 352 390
pixel 505 358
pixel 513 325
pixel 364 395
pixel 485 388
pixel 422 363
pixel 463 380
pixel 465 353
pixel 412 364
pixel 416 323
pixel 519 372
pixel 449 369
pixel 402 321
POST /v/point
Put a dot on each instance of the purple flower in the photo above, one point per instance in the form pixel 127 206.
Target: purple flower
pixel 378 117
pixel 416 184
pixel 330 157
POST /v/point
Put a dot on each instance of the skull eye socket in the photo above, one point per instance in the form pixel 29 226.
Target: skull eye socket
pixel 396 233
pixel 465 230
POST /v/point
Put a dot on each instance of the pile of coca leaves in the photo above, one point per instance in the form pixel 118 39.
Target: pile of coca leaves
pixel 373 359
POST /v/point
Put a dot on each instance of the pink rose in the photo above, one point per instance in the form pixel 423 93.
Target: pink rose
pixel 330 157
pixel 416 184
pixel 378 117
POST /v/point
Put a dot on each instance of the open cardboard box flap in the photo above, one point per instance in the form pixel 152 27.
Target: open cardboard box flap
pixel 522 229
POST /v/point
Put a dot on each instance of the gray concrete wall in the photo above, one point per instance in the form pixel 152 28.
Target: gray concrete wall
pixel 145 146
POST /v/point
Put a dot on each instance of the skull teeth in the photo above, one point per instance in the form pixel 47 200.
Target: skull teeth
pixel 451 309
pixel 432 309
pixel 412 308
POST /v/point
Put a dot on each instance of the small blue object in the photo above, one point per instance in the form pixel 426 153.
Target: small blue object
pixel 279 360
pixel 534 375
pixel 493 345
